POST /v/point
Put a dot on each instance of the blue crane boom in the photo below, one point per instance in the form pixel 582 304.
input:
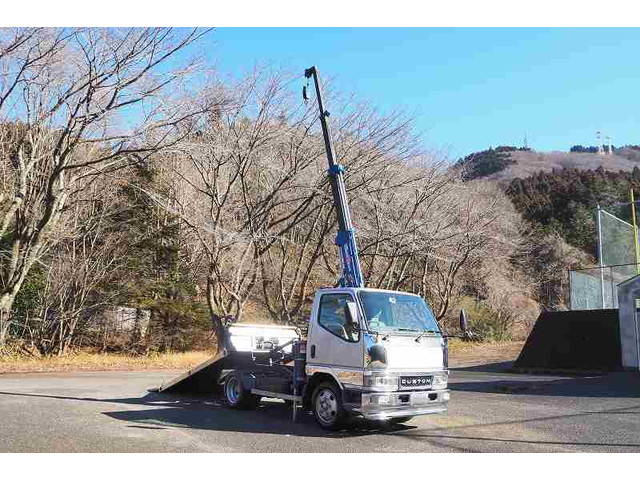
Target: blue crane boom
pixel 346 237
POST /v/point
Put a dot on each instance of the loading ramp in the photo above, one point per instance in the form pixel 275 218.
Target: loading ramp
pixel 245 345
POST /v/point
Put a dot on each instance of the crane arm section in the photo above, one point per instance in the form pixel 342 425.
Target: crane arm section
pixel 351 275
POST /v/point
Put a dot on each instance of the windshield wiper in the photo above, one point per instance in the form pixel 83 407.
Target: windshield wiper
pixel 424 333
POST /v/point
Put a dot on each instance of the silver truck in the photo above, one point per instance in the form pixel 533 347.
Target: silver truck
pixel 375 353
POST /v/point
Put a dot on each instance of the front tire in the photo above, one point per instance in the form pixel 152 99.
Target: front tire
pixel 327 406
pixel 236 396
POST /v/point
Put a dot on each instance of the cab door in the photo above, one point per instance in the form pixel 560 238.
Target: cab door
pixel 333 342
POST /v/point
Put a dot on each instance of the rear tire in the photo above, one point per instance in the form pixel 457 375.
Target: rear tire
pixel 327 406
pixel 235 396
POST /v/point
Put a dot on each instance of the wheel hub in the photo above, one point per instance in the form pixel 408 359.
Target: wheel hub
pixel 232 390
pixel 326 406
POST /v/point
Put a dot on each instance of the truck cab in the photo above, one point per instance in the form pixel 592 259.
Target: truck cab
pixel 375 353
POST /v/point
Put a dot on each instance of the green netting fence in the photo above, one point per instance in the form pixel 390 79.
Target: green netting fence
pixel 617 241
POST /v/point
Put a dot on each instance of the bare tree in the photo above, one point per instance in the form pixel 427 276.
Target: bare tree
pixel 75 103
pixel 251 186
pixel 378 151
pixel 483 228
pixel 79 282
pixel 76 280
pixel 237 184
pixel 402 216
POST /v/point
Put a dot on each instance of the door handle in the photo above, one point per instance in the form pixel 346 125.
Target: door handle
pixel 313 351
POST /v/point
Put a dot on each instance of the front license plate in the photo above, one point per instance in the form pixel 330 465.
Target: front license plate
pixel 419 398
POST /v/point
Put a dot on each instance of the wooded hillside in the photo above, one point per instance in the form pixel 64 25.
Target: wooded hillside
pixel 564 201
pixel 142 207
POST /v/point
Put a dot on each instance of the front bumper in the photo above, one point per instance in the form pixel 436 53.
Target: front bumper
pixel 380 406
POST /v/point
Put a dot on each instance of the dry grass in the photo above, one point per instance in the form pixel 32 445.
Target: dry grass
pixel 86 361
pixel 472 353
pixel 460 353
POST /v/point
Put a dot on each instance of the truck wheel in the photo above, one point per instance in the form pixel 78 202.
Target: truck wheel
pixel 236 396
pixel 327 406
pixel 399 419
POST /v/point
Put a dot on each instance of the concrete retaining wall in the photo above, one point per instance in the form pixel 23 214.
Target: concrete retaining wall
pixel 573 340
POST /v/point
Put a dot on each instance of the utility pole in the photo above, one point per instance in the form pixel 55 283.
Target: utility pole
pixel 600 259
pixel 635 231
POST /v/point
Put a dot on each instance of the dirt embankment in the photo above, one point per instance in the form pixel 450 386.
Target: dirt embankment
pixel 466 354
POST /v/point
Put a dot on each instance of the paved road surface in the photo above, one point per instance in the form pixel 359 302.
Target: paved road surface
pixel 489 412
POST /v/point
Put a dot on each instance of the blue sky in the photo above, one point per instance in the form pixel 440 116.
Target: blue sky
pixel 468 88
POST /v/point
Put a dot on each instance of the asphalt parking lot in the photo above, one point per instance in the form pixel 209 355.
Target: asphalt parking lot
pixel 489 412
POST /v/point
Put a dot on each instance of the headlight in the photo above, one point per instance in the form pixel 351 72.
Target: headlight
pixel 381 382
pixel 440 381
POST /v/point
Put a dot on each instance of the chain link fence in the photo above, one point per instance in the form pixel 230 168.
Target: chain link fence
pixel 596 288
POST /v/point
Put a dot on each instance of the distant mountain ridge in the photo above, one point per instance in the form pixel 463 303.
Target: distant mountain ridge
pixel 557 192
pixel 506 163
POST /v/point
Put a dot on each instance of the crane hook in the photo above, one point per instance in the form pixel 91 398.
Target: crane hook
pixel 305 91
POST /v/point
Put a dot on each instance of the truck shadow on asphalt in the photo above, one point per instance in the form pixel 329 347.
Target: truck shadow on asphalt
pixel 211 414
pixel 163 411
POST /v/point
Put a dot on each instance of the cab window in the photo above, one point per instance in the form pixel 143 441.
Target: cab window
pixel 334 318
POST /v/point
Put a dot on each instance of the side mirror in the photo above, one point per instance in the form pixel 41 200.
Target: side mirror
pixel 464 324
pixel 352 314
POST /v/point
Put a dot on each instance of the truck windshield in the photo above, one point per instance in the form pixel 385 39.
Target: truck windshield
pixel 397 312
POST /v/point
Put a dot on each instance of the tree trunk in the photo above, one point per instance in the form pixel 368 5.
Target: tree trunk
pixel 216 320
pixel 6 302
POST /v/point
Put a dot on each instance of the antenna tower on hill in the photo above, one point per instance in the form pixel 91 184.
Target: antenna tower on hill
pixel 599 143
